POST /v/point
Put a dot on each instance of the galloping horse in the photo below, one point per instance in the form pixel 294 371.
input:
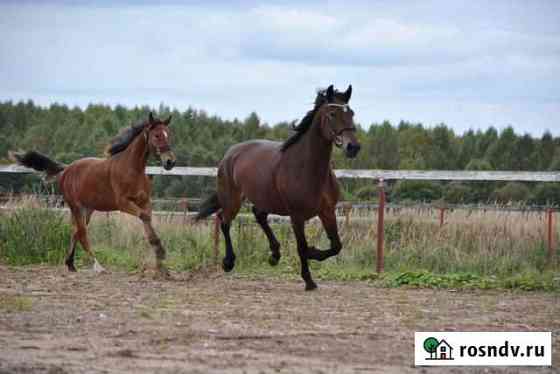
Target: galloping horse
pixel 291 179
pixel 118 182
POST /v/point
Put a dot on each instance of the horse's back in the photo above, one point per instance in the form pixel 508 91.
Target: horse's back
pixel 254 157
pixel 249 168
pixel 86 166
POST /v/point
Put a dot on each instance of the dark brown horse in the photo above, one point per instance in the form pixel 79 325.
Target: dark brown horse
pixel 117 182
pixel 291 179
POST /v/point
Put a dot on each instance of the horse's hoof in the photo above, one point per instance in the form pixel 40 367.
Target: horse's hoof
pixel 97 268
pixel 310 286
pixel 162 272
pixel 228 265
pixel 163 275
pixel 71 268
pixel 273 261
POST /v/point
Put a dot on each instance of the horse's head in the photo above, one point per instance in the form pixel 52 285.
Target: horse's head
pixel 337 123
pixel 157 133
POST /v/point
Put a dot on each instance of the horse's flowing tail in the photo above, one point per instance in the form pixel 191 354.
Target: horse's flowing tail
pixel 208 206
pixel 37 161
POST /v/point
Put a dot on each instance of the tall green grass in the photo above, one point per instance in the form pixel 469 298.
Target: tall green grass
pixel 32 235
pixel 474 250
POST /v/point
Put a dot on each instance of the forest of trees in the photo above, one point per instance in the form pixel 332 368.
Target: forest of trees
pixel 198 139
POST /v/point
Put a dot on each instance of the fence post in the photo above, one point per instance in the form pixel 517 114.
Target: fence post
pixel 217 224
pixel 441 216
pixel 381 228
pixel 550 237
pixel 184 203
pixel 347 209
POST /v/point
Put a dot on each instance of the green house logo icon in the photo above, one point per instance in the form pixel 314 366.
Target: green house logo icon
pixel 438 349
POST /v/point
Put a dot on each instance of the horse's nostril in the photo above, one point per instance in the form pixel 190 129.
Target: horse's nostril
pixel 353 147
pixel 352 150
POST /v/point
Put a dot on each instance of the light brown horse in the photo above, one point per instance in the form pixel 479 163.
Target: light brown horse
pixel 117 182
pixel 291 179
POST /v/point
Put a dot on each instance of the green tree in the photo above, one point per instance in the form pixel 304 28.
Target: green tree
pixel 501 153
pixel 382 147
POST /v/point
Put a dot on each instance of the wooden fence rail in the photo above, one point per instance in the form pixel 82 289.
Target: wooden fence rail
pixel 382 175
pixel 448 175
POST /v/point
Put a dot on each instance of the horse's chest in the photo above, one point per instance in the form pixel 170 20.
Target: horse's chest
pixel 137 189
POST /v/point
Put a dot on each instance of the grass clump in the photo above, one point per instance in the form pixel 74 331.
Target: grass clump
pixel 31 235
pixel 14 304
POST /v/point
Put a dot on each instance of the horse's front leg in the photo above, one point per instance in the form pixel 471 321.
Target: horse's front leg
pixel 328 219
pixel 274 245
pixel 127 205
pixel 145 215
pixel 155 242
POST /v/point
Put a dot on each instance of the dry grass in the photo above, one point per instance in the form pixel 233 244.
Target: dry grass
pixel 485 243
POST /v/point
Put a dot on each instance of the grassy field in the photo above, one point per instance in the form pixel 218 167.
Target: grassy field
pixel 472 250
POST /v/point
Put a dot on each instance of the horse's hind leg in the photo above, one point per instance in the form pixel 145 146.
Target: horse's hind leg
pixel 88 214
pixel 230 207
pixel 229 259
pixel 74 238
pixel 70 255
pixel 81 218
pixel 274 245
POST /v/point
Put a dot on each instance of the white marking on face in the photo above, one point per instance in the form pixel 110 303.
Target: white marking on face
pixel 165 134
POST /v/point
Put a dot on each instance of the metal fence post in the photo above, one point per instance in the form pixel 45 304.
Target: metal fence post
pixel 381 228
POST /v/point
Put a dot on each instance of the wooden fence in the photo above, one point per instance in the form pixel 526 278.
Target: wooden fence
pixel 447 175
pixel 380 176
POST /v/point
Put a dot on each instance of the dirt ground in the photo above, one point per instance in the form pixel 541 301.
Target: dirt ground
pixel 55 322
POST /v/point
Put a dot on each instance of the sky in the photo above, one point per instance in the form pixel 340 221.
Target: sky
pixel 468 64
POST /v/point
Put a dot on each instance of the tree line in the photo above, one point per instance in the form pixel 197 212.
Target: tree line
pixel 200 139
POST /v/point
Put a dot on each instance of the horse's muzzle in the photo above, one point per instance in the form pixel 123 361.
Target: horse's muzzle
pixel 352 149
pixel 169 165
pixel 168 160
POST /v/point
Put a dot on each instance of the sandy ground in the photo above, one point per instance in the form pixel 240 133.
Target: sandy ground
pixel 55 322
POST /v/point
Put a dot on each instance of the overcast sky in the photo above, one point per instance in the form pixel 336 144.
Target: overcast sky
pixel 469 64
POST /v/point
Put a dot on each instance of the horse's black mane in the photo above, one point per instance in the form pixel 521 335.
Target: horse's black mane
pixel 123 139
pixel 306 121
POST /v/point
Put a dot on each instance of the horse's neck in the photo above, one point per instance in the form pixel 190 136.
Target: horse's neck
pixel 313 155
pixel 136 155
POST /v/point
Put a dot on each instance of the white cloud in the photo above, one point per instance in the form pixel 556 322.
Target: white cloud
pixel 466 65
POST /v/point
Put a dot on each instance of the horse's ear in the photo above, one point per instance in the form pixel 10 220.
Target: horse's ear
pixel 151 117
pixel 348 94
pixel 330 93
pixel 167 121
